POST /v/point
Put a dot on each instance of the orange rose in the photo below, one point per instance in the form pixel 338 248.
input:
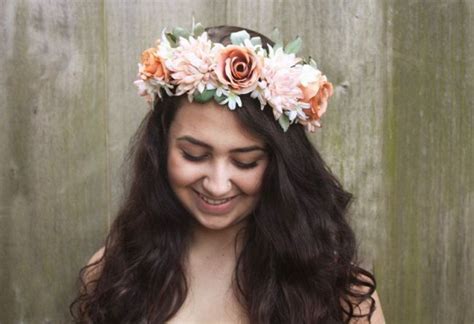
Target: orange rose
pixel 317 95
pixel 239 68
pixel 152 65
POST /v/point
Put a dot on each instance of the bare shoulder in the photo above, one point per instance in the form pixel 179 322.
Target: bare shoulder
pixel 364 307
pixel 94 266
pixel 97 256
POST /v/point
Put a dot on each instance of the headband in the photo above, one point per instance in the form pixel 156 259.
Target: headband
pixel 188 63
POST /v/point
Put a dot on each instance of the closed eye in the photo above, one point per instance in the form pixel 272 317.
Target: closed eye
pixel 238 164
pixel 242 165
pixel 193 158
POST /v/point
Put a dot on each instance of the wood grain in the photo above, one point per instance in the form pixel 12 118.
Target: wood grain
pixel 398 134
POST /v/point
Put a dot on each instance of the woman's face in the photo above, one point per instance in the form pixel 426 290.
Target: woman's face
pixel 215 166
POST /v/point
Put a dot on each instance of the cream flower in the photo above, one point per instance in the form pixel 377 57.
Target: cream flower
pixel 279 85
pixel 309 75
pixel 192 65
pixel 151 87
pixel 278 59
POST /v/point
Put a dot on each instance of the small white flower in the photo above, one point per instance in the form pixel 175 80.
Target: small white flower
pixel 232 100
pixel 258 94
pixel 220 91
pixel 292 114
pixel 142 88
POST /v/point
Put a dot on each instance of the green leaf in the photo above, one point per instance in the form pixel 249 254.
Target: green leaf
pixel 219 99
pixel 205 96
pixel 312 62
pixel 180 32
pixel 172 39
pixel 284 122
pixel 198 29
pixel 294 46
pixel 276 36
pixel 277 46
pixel 239 37
pixel 256 41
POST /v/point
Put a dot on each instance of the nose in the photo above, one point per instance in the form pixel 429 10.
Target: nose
pixel 217 182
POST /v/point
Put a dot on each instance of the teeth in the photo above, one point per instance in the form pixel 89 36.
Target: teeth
pixel 214 202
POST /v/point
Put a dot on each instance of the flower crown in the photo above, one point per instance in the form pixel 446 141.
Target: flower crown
pixel 189 63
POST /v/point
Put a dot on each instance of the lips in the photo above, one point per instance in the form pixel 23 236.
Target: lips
pixel 215 202
pixel 214 206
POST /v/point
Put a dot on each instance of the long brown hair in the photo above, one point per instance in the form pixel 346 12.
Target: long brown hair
pixel 298 263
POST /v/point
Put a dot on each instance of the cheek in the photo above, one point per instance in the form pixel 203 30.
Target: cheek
pixel 181 173
pixel 251 182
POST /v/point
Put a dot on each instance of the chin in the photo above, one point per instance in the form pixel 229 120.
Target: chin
pixel 217 223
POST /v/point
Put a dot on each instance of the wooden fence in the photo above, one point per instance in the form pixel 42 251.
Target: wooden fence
pixel 398 133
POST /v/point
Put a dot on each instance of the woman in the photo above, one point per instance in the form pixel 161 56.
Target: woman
pixel 229 218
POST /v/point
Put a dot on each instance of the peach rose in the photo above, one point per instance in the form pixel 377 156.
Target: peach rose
pixel 317 95
pixel 152 65
pixel 239 68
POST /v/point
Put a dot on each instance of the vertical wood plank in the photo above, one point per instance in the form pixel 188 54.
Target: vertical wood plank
pixel 427 267
pixel 53 164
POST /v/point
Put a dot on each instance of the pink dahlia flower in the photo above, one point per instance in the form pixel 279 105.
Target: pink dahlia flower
pixel 279 86
pixel 192 65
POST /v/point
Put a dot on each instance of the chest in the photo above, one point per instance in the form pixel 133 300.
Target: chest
pixel 210 300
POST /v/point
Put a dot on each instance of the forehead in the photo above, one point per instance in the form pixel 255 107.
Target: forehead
pixel 212 123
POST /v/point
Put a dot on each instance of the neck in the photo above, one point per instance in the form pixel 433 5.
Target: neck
pixel 216 244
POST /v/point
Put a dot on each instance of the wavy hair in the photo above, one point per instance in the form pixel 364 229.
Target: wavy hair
pixel 298 261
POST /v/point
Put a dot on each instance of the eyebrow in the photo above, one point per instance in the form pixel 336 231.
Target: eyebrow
pixel 195 141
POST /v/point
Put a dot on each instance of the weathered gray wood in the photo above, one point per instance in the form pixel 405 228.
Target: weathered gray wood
pixel 398 133
pixel 426 269
pixel 53 194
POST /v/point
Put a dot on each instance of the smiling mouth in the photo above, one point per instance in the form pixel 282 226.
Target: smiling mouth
pixel 214 202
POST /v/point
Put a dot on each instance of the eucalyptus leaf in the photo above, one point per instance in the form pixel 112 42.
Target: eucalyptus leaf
pixel 256 41
pixel 312 62
pixel 284 122
pixel 276 36
pixel 172 39
pixel 205 96
pixel 239 37
pixel 294 46
pixel 198 29
pixel 277 45
pixel 219 99
pixel 180 32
